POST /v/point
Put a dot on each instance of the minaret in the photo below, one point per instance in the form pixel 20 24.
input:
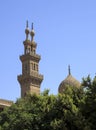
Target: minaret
pixel 30 80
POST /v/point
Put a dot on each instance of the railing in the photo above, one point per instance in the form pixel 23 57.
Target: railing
pixel 35 74
pixel 32 54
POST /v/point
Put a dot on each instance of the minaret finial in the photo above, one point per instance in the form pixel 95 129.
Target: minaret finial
pixel 32 33
pixel 27 30
pixel 32 26
pixel 27 24
pixel 69 71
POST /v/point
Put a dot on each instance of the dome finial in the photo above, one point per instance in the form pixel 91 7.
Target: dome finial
pixel 27 30
pixel 69 71
pixel 32 33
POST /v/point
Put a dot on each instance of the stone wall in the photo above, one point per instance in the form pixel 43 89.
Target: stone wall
pixel 5 103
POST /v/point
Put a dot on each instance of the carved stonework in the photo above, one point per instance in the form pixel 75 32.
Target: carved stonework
pixel 30 79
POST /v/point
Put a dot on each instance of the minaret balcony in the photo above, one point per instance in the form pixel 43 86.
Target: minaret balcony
pixel 32 75
pixel 35 74
pixel 30 56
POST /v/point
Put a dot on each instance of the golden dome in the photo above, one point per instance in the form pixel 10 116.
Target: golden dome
pixel 69 81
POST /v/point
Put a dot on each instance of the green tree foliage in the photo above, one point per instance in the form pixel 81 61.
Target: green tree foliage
pixel 88 108
pixel 44 112
pixel 75 109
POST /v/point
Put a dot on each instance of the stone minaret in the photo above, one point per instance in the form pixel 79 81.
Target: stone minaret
pixel 30 79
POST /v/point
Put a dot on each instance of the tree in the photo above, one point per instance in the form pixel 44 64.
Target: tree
pixel 88 108
pixel 45 112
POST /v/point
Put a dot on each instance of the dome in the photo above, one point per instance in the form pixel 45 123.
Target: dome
pixel 69 81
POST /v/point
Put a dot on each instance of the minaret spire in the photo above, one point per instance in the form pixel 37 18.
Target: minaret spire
pixel 32 26
pixel 32 33
pixel 27 30
pixel 69 71
pixel 27 24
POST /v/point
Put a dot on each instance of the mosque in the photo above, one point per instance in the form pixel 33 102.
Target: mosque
pixel 30 80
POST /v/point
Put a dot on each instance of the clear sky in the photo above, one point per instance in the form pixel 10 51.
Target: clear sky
pixel 65 33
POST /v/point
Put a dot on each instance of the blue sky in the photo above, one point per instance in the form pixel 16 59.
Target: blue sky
pixel 65 33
